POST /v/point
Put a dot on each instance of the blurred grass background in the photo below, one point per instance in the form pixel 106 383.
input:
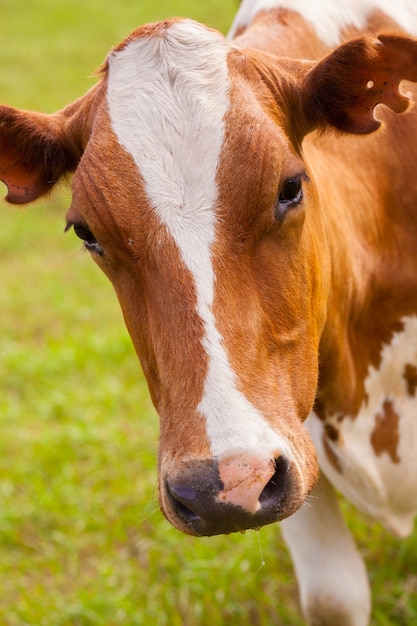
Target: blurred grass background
pixel 82 542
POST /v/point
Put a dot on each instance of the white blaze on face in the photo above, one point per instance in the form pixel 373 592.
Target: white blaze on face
pixel 330 17
pixel 167 96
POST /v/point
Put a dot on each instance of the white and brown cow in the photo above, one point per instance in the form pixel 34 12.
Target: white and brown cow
pixel 262 241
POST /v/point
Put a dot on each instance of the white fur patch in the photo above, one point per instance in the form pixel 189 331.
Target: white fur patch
pixel 330 17
pixel 167 98
pixel 385 489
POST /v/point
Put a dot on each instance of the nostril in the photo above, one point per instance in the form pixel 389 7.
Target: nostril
pixel 275 488
pixel 178 497
pixel 184 512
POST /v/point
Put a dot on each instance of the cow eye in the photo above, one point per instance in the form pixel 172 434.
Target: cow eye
pixel 292 191
pixel 290 195
pixel 84 233
pixel 90 242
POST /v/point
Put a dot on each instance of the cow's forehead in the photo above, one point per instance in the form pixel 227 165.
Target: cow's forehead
pixel 167 98
pixel 181 107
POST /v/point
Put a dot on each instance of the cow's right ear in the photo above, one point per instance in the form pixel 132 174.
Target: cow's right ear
pixel 36 149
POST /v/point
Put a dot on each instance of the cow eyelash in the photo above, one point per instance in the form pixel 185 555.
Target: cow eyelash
pixel 84 233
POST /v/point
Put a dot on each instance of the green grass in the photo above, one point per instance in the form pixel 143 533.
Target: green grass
pixel 82 542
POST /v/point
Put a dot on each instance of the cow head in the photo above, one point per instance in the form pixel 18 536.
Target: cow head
pixel 191 193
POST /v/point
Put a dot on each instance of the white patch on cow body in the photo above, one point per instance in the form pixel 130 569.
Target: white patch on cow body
pixel 384 489
pixel 330 17
pixel 167 98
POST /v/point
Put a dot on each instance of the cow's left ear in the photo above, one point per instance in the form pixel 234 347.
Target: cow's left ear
pixel 36 149
pixel 343 88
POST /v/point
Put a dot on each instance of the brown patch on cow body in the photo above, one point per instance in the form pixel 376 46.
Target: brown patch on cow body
pixel 410 375
pixel 385 436
pixel 331 432
pixel 331 455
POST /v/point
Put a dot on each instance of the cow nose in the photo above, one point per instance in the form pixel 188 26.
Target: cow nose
pixel 237 493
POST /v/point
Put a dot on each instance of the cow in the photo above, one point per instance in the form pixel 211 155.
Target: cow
pixel 254 208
